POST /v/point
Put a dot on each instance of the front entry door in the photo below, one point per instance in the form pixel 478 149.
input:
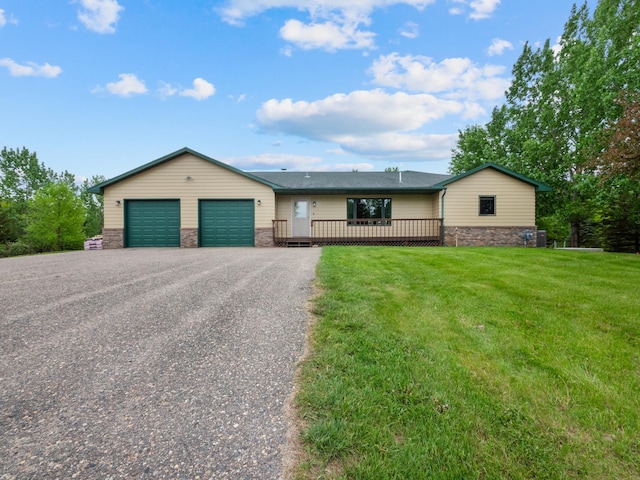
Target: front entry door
pixel 301 224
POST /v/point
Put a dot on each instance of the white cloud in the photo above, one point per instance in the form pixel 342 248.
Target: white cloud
pixel 410 30
pixel 336 151
pixel 276 161
pixel 128 85
pixel 4 20
pixel 31 69
pixel 332 25
pixel 403 146
pixel 480 9
pixel 236 11
pixel 330 36
pixel 362 112
pixel 166 90
pixel 498 46
pixel 372 123
pixel 239 99
pixel 379 124
pixel 454 78
pixel 200 91
pixel 350 167
pixel 100 15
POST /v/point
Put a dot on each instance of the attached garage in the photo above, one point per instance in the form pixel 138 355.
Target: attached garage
pixel 226 223
pixel 152 223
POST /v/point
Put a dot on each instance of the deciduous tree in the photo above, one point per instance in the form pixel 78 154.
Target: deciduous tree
pixel 561 97
pixel 621 152
pixel 94 207
pixel 21 176
pixel 55 219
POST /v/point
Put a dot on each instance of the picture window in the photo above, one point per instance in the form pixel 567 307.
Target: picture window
pixel 368 211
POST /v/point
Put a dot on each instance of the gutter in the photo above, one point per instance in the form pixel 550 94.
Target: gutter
pixel 444 190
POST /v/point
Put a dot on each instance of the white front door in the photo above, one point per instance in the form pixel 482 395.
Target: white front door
pixel 301 221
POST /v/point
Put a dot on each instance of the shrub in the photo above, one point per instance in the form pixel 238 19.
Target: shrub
pixel 14 249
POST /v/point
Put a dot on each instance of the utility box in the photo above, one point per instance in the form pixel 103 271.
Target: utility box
pixel 541 239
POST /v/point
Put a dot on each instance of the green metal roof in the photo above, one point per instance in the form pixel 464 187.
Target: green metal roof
pixel 540 187
pixel 99 188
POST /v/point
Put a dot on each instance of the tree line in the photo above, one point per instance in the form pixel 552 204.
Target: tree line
pixel 571 119
pixel 41 210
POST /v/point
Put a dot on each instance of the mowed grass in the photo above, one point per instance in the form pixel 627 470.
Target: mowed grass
pixel 473 363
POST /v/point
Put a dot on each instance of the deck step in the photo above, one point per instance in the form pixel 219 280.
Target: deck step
pixel 299 242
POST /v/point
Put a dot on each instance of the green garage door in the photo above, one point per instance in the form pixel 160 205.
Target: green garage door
pixel 152 223
pixel 226 223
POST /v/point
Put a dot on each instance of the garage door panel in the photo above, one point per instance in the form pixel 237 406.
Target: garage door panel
pixel 153 223
pixel 226 223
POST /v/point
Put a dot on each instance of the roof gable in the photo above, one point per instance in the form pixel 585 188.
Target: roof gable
pixel 99 188
pixel 539 186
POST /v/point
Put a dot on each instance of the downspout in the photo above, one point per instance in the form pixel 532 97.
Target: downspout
pixel 444 190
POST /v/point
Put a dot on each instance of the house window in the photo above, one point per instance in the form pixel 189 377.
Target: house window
pixel 488 205
pixel 368 211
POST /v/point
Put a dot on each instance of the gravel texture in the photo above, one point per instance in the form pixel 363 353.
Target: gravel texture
pixel 150 363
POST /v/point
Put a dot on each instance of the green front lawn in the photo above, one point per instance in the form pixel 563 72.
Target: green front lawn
pixel 473 363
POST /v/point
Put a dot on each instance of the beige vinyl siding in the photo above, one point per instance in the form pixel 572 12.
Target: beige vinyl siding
pixel 437 205
pixel 168 180
pixel 514 204
pixel 334 207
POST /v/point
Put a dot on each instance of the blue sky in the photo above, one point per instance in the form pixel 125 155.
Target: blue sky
pixel 98 87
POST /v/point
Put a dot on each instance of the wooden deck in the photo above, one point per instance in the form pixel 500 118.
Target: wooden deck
pixel 393 232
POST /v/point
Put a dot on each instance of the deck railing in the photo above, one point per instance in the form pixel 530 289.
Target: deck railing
pixel 403 231
pixel 280 233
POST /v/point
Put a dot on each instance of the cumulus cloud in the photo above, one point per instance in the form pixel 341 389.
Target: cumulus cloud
pixel 373 123
pixel 458 78
pixel 275 161
pixel 127 86
pixel 395 145
pixel 480 9
pixel 350 167
pixel 200 91
pixel 100 15
pixel 357 113
pixel 30 69
pixel 410 30
pixel 4 20
pixel 380 124
pixel 498 46
pixel 329 36
pixel 332 25
pixel 236 11
pixel 239 99
pixel 166 90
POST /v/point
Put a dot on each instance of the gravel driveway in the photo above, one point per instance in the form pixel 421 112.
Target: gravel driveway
pixel 149 363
